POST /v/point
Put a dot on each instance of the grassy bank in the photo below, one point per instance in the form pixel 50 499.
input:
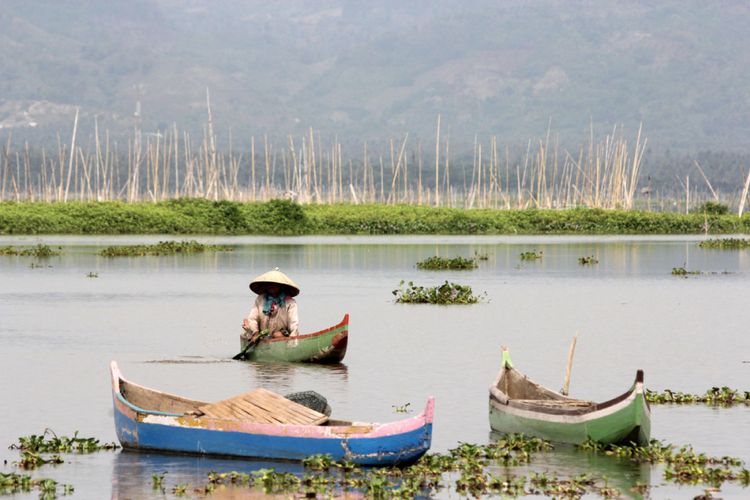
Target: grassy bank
pixel 199 216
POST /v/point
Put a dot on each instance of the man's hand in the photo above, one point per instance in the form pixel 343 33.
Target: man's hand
pixel 245 323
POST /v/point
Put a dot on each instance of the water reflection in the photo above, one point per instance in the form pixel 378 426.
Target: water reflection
pixel 616 257
pixel 188 360
pixel 133 472
pixel 565 461
pixel 282 375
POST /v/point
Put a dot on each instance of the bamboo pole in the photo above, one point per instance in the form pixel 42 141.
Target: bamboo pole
pixel 448 170
pixel 419 175
pixel 392 196
pixel 437 164
pixel 268 167
pixel 365 185
pixel 72 149
pixel 340 163
pixel 252 167
pixel 744 195
pixel 6 167
pixel 708 183
pixel 382 180
pixel 569 366
pixel 27 181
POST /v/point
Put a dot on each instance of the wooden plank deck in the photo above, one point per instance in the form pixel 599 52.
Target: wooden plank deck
pixel 263 406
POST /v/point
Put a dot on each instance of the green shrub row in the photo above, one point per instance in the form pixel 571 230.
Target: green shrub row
pixel 280 217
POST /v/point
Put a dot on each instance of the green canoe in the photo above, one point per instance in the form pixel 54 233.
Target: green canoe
pixel 325 346
pixel 519 405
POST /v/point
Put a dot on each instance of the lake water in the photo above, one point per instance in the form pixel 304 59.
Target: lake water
pixel 172 323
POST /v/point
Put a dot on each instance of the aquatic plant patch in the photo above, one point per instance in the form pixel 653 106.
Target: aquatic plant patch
pixel 532 255
pixel 725 243
pixel 436 263
pixel 465 468
pixel 39 251
pixel 404 408
pixel 12 484
pixel 32 449
pixel 718 396
pixel 162 248
pixel 682 271
pixel 30 460
pixel 685 466
pixel 49 442
pixel 447 293
pixel 588 260
pixel 157 481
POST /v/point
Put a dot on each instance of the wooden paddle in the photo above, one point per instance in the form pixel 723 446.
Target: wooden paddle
pixel 248 348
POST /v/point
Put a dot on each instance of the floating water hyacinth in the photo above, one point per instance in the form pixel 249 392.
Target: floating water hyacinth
pixel 440 263
pixel 49 442
pixel 682 271
pixel 531 255
pixel 12 483
pixel 162 248
pixel 723 396
pixel 588 260
pixel 725 243
pixel 40 251
pixel 470 469
pixel 447 293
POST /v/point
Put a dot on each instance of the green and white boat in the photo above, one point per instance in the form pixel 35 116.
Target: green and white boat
pixel 518 404
pixel 325 346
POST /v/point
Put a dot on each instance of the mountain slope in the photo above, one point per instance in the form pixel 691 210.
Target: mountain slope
pixel 378 69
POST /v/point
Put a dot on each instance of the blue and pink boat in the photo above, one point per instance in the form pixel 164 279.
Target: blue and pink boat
pixel 150 420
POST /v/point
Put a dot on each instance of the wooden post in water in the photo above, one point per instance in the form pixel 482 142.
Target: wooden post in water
pixel 744 195
pixel 437 164
pixel 571 351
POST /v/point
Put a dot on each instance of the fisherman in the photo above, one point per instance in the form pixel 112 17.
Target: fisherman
pixel 274 310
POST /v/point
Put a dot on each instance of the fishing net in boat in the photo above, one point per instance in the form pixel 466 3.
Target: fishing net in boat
pixel 312 400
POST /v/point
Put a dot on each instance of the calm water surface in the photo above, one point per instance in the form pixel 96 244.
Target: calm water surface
pixel 172 323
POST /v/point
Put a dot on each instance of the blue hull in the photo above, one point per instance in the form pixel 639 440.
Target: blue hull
pixel 392 443
pixel 389 450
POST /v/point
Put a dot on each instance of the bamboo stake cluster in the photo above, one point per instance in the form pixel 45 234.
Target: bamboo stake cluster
pixel 170 164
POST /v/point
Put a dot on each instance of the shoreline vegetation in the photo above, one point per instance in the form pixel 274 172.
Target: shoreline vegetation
pixel 287 218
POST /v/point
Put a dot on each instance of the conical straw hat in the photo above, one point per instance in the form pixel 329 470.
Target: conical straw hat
pixel 258 285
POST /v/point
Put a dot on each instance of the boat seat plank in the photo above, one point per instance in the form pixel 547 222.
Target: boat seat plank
pixel 263 406
pixel 568 403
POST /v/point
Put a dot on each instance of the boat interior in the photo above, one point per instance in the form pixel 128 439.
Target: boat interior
pixel 152 400
pixel 157 401
pixel 519 389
